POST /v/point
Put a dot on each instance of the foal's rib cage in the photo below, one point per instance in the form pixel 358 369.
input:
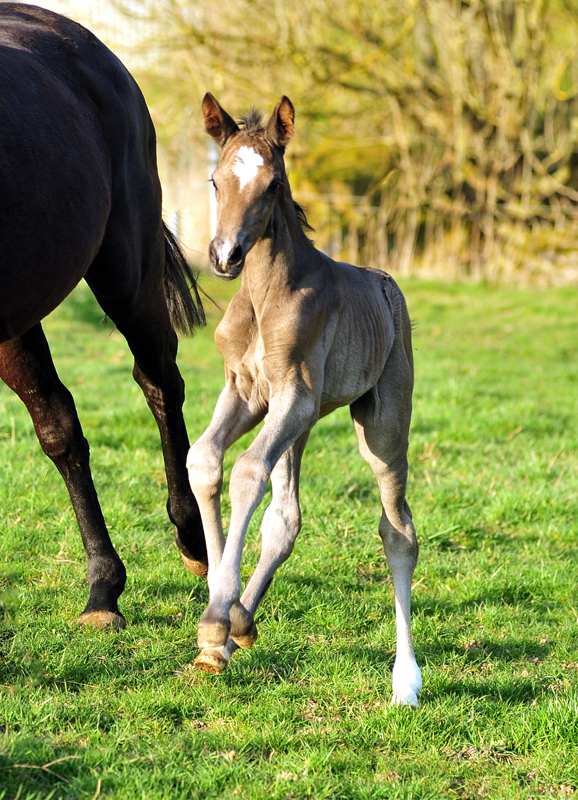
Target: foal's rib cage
pixel 303 335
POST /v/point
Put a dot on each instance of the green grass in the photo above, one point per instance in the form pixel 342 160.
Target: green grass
pixel 493 488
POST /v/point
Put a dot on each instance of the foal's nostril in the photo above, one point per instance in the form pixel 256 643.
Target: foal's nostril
pixel 225 255
pixel 235 256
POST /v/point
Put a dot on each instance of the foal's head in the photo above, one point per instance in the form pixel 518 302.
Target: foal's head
pixel 247 179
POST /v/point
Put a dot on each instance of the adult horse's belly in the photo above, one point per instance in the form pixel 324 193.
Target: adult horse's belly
pixel 54 190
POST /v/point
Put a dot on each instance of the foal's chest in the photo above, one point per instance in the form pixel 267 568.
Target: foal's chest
pixel 238 340
pixel 338 340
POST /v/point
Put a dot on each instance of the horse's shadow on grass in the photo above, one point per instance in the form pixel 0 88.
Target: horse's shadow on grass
pixel 142 609
pixel 140 603
pixel 522 693
pixel 516 690
pixel 273 667
pixel 476 653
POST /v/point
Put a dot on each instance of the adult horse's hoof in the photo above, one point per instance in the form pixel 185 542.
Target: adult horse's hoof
pixel 198 568
pixel 211 660
pixel 102 620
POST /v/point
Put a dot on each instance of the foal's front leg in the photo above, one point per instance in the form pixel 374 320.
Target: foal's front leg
pixel 289 417
pixel 231 419
pixel 281 523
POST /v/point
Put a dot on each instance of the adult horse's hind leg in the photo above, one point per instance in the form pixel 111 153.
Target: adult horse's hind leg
pixel 382 424
pixel 26 367
pixel 147 328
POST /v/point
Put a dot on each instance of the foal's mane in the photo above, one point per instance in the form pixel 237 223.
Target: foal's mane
pixel 253 123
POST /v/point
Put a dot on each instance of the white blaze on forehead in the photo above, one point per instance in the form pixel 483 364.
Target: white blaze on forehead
pixel 247 165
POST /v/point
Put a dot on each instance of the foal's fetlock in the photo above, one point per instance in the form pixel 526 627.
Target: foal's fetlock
pixel 212 632
pixel 243 629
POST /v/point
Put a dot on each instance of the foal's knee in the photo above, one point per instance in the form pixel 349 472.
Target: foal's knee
pixel 205 470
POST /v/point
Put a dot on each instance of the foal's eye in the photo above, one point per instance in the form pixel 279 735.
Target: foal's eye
pixel 274 185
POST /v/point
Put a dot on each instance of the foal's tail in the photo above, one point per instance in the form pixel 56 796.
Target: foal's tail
pixel 181 291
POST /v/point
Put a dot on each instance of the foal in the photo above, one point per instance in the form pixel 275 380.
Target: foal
pixel 303 336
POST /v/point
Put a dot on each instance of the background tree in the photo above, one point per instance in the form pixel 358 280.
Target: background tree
pixel 435 133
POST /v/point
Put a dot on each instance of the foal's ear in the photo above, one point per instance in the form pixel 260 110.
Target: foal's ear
pixel 218 123
pixel 281 125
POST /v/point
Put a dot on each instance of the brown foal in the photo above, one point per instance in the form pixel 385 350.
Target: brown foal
pixel 303 336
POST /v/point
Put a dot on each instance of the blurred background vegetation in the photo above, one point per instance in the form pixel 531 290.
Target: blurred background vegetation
pixel 434 136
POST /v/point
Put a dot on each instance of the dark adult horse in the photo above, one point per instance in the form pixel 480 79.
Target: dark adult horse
pixel 80 198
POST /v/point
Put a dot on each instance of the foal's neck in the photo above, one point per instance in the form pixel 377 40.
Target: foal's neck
pixel 279 259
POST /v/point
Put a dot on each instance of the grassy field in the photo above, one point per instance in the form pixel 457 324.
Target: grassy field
pixel 305 713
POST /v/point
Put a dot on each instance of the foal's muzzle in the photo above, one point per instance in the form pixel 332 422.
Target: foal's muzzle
pixel 227 257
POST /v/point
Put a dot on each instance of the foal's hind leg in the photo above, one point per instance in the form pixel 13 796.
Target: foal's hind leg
pixel 26 367
pixel 281 523
pixel 385 454
pixel 382 425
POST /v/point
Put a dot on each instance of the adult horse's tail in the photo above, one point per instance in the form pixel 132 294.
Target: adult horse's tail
pixel 181 291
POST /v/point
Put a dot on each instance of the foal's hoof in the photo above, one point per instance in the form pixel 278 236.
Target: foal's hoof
pixel 246 639
pixel 102 620
pixel 243 628
pixel 198 568
pixel 211 660
pixel 405 700
pixel 406 683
